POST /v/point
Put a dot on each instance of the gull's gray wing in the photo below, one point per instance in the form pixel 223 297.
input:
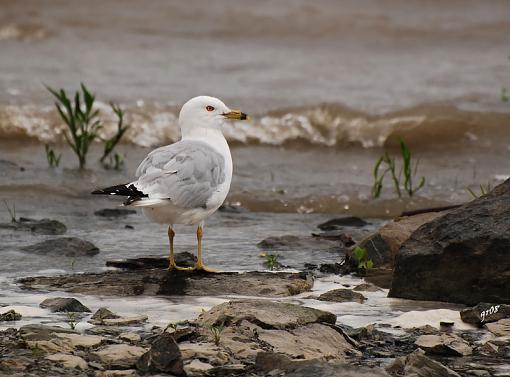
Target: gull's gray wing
pixel 187 173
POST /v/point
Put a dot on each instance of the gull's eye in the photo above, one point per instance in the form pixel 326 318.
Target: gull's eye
pixel 209 108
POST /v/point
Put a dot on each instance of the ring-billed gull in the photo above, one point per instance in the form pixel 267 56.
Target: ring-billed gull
pixel 185 182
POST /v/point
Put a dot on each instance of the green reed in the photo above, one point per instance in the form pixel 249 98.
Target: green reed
pixel 361 256
pixel 12 211
pixel 83 126
pixel 51 156
pixel 82 121
pixel 484 190
pixel 117 160
pixel 386 164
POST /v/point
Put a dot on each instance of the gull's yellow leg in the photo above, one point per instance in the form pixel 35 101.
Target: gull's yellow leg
pixel 171 259
pixel 200 263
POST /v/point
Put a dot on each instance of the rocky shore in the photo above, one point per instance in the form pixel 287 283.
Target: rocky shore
pixel 279 323
pixel 246 337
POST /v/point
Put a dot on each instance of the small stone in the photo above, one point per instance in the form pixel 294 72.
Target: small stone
pixel 10 315
pixel 417 364
pixel 479 373
pixel 114 212
pixel 130 337
pixel 488 348
pixel 82 341
pixel 121 321
pixel 64 304
pixel 485 313
pixel 341 222
pixel 204 351
pixel 117 373
pixel 342 295
pixel 104 313
pixel 65 246
pixel 43 226
pixel 228 370
pixel 197 368
pixel 444 344
pixel 499 328
pixel 68 361
pixel 36 332
pixel 163 356
pixel 120 356
pixel 366 287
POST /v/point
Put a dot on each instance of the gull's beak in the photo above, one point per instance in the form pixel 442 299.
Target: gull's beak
pixel 235 114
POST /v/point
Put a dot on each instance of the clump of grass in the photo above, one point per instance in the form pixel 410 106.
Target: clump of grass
pixel 386 164
pixel 37 351
pixel 12 211
pixel 484 190
pixel 361 256
pixel 72 319
pixel 51 156
pixel 216 331
pixel 117 160
pixel 81 119
pixel 504 95
pixel 271 261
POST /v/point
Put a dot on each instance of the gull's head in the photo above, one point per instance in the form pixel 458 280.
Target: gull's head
pixel 206 112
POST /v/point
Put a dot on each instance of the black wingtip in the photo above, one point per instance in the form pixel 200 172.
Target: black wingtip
pixel 97 192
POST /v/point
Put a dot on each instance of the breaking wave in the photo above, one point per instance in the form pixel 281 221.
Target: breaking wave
pixel 328 125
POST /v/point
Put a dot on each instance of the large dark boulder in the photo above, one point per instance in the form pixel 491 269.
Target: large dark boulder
pixel 462 257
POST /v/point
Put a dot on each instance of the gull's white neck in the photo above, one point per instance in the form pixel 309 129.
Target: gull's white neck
pixel 214 138
pixel 211 136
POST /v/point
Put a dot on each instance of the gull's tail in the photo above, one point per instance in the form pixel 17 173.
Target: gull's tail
pixel 128 190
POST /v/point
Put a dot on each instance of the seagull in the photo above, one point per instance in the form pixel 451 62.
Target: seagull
pixel 187 181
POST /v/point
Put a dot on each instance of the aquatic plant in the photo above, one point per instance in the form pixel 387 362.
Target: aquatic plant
pixel 72 319
pixel 484 190
pixel 80 118
pixel 37 351
pixel 216 331
pixel 361 256
pixel 12 211
pixel 408 170
pixel 271 261
pixel 504 95
pixel 117 160
pixel 51 156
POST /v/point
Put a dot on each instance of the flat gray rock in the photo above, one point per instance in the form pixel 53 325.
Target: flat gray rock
pixel 43 226
pixel 444 344
pixel 485 313
pixel 154 282
pixel 417 364
pixel 65 246
pixel 342 295
pixel 63 304
pixel 264 313
pixel 114 212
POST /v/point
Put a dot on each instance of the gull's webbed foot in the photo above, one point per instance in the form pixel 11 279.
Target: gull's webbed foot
pixel 202 267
